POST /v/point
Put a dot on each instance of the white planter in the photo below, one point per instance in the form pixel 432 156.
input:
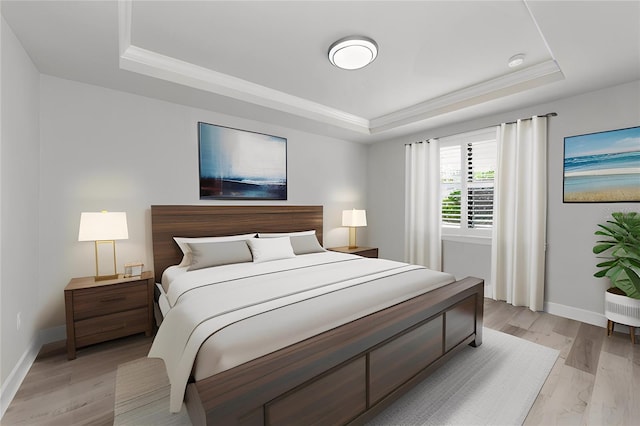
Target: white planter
pixel 621 309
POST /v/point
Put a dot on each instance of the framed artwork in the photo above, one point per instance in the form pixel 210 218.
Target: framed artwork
pixel 239 164
pixel 602 167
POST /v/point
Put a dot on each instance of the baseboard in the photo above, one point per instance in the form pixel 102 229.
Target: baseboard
pixel 590 317
pixel 577 314
pixel 11 385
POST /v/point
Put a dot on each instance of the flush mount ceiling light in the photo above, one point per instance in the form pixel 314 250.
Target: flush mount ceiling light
pixel 516 60
pixel 353 52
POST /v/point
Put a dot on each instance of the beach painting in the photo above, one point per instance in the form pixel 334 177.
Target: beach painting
pixel 239 164
pixel 602 167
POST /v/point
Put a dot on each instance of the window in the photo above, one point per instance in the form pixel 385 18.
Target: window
pixel 467 168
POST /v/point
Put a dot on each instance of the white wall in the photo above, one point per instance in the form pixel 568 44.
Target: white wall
pixel 19 177
pixel 571 289
pixel 103 149
pixel 571 227
pixel 464 259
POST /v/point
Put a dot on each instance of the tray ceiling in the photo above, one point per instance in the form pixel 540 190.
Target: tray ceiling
pixel 439 61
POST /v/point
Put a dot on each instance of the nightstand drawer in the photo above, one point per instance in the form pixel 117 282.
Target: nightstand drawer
pixel 107 327
pixel 93 302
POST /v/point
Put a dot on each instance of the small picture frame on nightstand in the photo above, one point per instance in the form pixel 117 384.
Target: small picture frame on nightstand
pixel 133 269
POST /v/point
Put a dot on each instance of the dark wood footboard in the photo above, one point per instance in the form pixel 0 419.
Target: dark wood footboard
pixel 348 374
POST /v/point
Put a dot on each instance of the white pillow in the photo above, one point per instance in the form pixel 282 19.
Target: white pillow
pixel 183 243
pixel 266 249
pixel 205 255
pixel 302 242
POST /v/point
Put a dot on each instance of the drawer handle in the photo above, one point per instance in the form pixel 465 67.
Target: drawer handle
pixel 114 328
pixel 113 299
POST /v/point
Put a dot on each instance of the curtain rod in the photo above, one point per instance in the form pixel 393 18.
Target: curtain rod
pixel 549 114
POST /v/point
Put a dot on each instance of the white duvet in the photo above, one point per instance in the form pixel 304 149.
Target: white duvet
pixel 228 315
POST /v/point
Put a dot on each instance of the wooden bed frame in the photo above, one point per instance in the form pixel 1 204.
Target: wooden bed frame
pixel 346 375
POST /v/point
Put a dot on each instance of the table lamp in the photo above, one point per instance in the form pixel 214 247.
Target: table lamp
pixel 103 228
pixel 353 219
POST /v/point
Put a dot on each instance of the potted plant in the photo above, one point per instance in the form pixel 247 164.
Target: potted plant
pixel 621 249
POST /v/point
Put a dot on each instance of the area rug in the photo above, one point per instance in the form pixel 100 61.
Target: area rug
pixel 494 384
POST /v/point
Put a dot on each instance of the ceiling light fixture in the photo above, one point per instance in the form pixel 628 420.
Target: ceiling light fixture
pixel 353 52
pixel 516 60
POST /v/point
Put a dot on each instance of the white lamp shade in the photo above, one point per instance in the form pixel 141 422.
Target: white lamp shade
pixel 103 226
pixel 354 218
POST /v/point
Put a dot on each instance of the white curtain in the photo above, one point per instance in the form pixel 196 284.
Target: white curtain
pixel 520 212
pixel 422 204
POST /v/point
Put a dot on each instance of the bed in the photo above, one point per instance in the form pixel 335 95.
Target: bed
pixel 346 373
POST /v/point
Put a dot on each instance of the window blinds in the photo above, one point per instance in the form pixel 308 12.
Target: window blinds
pixel 481 166
pixel 451 184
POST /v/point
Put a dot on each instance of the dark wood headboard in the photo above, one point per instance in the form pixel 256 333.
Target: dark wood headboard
pixel 215 221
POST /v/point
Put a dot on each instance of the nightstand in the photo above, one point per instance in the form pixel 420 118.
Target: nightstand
pixel 360 251
pixel 98 311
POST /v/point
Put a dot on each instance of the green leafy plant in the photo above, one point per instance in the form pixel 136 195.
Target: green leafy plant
pixel 621 248
pixel 451 207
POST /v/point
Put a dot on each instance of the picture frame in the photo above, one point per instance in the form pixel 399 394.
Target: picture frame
pixel 133 269
pixel 602 167
pixel 240 164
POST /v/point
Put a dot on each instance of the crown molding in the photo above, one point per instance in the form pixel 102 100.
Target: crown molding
pixel 153 64
pixel 167 68
pixel 509 84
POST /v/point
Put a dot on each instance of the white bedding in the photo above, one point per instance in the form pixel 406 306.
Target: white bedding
pixel 163 302
pixel 224 316
pixel 170 274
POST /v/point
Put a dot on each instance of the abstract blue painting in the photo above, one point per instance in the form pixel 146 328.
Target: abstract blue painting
pixel 239 164
pixel 602 167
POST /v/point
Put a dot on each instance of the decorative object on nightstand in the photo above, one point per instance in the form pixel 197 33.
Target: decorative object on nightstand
pixel 133 269
pixel 354 219
pixel 360 251
pixel 103 228
pixel 98 311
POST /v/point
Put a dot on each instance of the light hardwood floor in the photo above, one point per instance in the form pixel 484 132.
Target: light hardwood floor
pixel 77 392
pixel 596 380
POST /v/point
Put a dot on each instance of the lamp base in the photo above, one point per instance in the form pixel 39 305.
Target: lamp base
pixel 105 253
pixel 106 277
pixel 352 237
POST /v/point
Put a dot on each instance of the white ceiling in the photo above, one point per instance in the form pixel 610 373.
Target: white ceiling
pixel 439 61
